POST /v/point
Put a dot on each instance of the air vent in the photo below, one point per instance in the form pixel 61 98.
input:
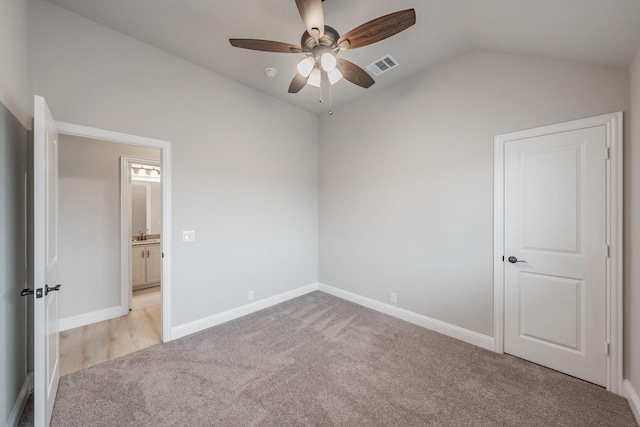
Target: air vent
pixel 382 65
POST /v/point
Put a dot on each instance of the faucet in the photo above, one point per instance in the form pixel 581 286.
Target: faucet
pixel 140 235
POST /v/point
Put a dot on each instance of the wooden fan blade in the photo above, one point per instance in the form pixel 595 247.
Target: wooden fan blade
pixel 312 15
pixel 297 83
pixel 378 29
pixel 354 74
pixel 265 45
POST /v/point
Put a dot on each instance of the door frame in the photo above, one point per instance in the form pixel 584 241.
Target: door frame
pixel 165 163
pixel 613 123
pixel 125 227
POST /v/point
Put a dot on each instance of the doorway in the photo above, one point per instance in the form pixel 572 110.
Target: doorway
pixel 95 327
pixel 164 148
pixel 141 210
pixel 558 253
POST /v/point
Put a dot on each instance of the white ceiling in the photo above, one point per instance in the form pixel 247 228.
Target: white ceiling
pixel 605 32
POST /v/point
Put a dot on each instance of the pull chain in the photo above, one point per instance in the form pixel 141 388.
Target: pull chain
pixel 330 100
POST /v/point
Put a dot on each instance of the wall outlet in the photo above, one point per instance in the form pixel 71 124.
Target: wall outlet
pixel 251 296
pixel 394 297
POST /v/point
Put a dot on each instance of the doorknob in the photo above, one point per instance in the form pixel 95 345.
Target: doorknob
pixel 48 289
pixel 25 292
pixel 513 260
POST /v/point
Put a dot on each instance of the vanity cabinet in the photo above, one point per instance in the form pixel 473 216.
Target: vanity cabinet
pixel 146 265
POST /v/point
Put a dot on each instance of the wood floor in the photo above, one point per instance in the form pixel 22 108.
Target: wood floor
pixel 92 344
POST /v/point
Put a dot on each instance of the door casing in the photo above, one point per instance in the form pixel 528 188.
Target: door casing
pixel 614 133
pixel 165 161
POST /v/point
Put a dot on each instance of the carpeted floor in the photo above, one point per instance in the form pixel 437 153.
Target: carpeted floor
pixel 319 360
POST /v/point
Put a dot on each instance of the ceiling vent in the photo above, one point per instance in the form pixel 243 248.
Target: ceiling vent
pixel 382 65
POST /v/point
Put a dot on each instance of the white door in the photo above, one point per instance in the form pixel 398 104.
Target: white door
pixel 45 188
pixel 555 247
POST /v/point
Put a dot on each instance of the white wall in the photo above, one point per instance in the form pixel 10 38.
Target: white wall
pixel 632 234
pixel 406 177
pixel 14 76
pixel 89 222
pixel 244 172
pixel 13 167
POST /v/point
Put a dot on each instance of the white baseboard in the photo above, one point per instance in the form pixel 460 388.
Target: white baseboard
pixel 217 319
pixel 21 401
pixel 632 396
pixel 444 328
pixel 93 317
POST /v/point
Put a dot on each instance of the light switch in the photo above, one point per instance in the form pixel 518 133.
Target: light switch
pixel 188 236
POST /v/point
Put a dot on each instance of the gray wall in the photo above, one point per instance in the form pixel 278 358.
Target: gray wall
pixel 89 222
pixel 14 75
pixel 406 177
pixel 13 261
pixel 14 122
pixel 632 234
pixel 244 165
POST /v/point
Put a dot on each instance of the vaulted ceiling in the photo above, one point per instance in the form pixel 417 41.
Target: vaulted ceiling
pixel 605 32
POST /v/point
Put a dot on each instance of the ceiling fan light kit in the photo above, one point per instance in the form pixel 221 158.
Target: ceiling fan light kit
pixel 315 78
pixel 334 76
pixel 328 62
pixel 322 43
pixel 305 67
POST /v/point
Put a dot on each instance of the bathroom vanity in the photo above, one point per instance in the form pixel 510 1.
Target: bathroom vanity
pixel 146 262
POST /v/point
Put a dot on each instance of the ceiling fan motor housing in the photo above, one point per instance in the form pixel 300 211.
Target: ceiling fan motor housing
pixel 329 39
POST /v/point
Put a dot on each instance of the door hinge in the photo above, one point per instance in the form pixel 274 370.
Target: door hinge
pixel 502 258
pixel 608 251
pixel 607 153
pixel 608 349
pixel 162 254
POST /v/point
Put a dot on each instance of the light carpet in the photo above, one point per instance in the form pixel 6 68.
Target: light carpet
pixel 318 360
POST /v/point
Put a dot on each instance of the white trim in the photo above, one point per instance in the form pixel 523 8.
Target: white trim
pixel 125 227
pixel 217 319
pixel 498 247
pixel 165 164
pixel 108 135
pixel 89 318
pixel 167 251
pixel 614 128
pixel 444 328
pixel 21 401
pixel 632 396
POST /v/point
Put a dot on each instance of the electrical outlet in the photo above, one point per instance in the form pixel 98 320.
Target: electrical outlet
pixel 250 295
pixel 394 297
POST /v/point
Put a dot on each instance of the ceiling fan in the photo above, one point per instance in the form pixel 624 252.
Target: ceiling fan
pixel 322 43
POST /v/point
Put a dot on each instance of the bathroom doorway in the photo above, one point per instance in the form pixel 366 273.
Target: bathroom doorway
pixel 142 213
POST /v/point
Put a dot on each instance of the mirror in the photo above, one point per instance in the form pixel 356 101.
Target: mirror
pixel 145 207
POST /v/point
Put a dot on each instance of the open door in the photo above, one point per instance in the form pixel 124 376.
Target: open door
pixel 45 208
